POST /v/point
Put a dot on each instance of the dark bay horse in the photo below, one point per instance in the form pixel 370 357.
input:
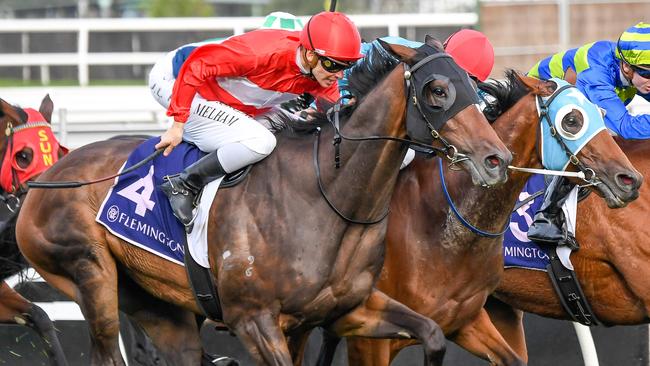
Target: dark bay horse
pixel 444 271
pixel 612 265
pixel 15 309
pixel 309 266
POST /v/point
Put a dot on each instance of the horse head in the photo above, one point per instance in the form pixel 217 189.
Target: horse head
pixel 442 105
pixel 573 136
pixel 28 147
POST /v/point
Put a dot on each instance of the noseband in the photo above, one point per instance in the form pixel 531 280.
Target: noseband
pixel 588 173
pixel 449 151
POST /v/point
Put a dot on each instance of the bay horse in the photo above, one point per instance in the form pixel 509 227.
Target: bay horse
pixel 309 265
pixel 612 266
pixel 443 270
pixel 15 309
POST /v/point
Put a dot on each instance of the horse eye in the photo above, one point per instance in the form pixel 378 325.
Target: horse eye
pixel 572 122
pixel 439 92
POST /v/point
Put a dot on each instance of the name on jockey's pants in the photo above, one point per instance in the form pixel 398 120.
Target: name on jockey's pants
pixel 215 114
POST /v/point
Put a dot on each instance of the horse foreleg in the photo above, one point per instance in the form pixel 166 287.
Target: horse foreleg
pixel 509 322
pixel 261 335
pixel 481 338
pixel 16 309
pixel 382 317
pixel 96 294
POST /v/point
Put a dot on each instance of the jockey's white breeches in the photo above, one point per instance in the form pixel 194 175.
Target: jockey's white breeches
pixel 212 125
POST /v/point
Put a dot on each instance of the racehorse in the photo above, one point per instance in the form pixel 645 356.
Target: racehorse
pixel 15 309
pixel 283 260
pixel 445 271
pixel 611 266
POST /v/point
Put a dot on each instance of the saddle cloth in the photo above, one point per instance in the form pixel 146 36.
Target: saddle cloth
pixel 521 252
pixel 136 211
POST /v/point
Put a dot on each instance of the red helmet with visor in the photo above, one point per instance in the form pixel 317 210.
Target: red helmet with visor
pixel 332 35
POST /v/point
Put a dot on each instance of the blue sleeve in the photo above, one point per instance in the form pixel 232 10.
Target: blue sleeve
pixel 179 58
pixel 598 87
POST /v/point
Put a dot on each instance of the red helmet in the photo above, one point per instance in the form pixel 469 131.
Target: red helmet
pixel 333 35
pixel 472 51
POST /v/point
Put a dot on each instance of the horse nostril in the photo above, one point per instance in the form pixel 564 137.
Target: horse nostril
pixel 493 161
pixel 625 180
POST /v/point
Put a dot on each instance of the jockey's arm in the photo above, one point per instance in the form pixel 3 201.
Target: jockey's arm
pixel 617 117
pixel 206 62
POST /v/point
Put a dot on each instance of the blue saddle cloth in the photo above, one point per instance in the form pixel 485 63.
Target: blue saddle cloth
pixel 136 211
pixel 518 250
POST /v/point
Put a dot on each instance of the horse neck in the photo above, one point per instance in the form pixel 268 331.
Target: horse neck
pixel 488 209
pixel 369 169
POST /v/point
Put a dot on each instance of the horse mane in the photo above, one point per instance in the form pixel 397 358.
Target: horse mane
pixel 21 112
pixel 370 70
pixel 506 93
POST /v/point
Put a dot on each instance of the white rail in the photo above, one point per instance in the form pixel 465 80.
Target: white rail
pixel 237 25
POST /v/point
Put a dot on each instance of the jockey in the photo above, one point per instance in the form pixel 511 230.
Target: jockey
pixel 609 74
pixel 222 87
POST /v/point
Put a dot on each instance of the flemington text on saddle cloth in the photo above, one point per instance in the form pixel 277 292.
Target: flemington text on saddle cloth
pixel 137 212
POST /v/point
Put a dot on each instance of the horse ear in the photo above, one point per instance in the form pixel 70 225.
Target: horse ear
pixel 434 42
pixel 46 108
pixel 402 53
pixel 543 88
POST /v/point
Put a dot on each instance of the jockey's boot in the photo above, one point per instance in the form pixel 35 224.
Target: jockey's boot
pixel 548 223
pixel 183 189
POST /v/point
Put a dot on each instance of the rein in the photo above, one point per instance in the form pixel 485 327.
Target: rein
pixel 460 218
pixel 449 151
pixel 585 173
pixel 76 184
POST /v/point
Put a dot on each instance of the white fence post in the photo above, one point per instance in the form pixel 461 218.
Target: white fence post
pixel 82 52
pixel 63 126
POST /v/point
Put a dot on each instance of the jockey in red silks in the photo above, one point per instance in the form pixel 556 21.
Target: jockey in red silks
pixel 222 87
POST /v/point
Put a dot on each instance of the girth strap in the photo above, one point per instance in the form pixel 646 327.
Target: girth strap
pixel 567 287
pixel 203 287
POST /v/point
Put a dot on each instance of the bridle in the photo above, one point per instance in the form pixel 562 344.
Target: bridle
pixel 448 151
pixel 588 173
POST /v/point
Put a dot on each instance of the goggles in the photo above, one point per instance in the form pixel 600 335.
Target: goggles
pixel 334 66
pixel 644 73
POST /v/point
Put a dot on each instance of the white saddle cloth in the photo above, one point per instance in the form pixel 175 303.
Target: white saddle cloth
pixel 197 240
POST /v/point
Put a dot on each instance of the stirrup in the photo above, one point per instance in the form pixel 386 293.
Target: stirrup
pixel 175 191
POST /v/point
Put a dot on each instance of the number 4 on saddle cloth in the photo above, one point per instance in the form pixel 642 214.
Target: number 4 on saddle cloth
pixel 137 212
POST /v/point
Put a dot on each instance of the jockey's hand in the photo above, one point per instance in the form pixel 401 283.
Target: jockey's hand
pixel 171 138
pixel 303 102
